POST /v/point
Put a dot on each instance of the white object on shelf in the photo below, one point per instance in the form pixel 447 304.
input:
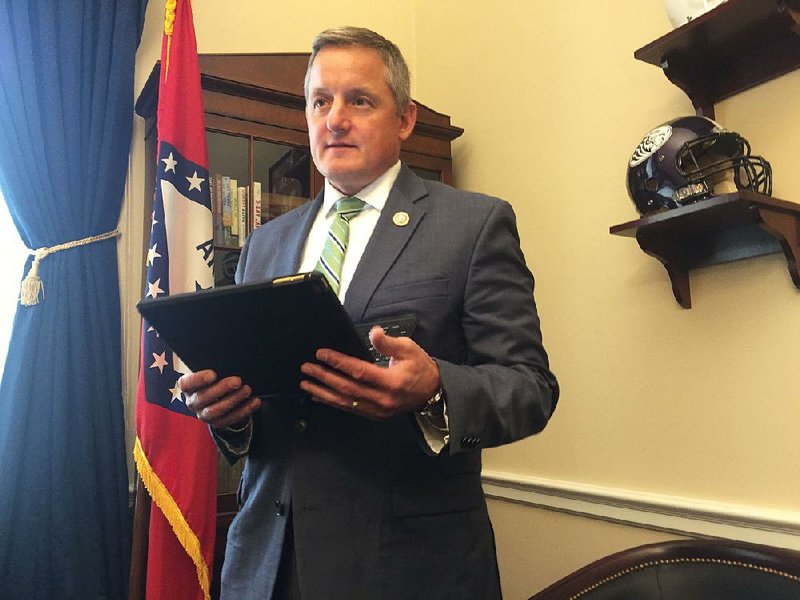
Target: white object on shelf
pixel 680 12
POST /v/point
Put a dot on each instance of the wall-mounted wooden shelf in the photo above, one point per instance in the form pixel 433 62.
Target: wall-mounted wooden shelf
pixel 733 47
pixel 717 230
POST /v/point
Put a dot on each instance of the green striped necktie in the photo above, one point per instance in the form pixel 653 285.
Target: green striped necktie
pixel 332 258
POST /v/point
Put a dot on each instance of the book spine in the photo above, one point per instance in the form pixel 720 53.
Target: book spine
pixel 234 191
pixel 242 216
pixel 216 207
pixel 226 209
pixel 256 204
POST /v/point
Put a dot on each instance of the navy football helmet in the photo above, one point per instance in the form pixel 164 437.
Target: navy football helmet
pixel 681 162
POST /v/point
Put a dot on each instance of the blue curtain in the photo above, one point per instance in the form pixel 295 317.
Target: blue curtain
pixel 66 114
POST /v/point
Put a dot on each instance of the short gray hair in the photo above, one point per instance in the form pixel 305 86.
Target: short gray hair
pixel 398 77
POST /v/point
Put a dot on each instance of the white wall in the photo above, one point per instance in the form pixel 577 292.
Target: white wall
pixel 655 397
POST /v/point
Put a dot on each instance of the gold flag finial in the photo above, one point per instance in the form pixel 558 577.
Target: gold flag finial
pixel 169 22
pixel 169 17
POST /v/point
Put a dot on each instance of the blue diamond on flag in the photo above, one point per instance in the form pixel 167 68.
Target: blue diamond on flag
pixel 180 259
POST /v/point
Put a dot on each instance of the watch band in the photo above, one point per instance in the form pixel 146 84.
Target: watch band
pixel 432 404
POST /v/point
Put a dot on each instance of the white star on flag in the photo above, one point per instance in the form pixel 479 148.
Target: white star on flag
pixel 170 163
pixel 176 393
pixel 160 362
pixel 153 290
pixel 194 181
pixel 152 254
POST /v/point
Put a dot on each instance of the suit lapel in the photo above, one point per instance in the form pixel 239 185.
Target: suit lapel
pixel 387 242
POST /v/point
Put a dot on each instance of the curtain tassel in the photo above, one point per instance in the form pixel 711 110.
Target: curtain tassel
pixel 32 285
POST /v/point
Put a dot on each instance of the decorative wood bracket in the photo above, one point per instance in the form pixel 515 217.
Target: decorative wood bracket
pixel 735 46
pixel 717 230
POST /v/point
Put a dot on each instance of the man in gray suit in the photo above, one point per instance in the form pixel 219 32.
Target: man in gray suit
pixel 366 483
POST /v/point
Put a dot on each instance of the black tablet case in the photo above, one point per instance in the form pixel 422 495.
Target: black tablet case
pixel 261 332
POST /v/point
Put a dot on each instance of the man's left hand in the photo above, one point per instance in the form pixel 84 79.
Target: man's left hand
pixel 366 389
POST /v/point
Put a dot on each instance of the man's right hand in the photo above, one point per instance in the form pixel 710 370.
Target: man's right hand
pixel 221 404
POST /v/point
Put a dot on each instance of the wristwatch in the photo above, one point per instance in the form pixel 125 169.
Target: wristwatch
pixel 433 407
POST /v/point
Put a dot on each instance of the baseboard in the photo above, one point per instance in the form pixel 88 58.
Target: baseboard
pixel 684 516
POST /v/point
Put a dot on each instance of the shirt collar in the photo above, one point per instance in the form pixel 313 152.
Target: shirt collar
pixel 375 194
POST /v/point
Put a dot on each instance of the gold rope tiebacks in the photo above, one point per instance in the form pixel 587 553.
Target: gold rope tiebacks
pixel 32 284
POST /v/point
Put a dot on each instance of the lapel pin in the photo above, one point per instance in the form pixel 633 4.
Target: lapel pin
pixel 400 218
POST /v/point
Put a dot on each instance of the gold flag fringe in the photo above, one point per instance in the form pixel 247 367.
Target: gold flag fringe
pixel 167 505
pixel 32 284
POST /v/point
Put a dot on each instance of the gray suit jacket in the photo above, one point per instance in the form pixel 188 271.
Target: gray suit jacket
pixel 375 515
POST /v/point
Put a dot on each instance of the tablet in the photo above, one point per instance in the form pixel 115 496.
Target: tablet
pixel 261 332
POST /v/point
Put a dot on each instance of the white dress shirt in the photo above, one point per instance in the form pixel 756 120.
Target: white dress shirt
pixel 361 226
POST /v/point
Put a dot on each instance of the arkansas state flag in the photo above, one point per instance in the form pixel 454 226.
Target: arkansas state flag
pixel 174 453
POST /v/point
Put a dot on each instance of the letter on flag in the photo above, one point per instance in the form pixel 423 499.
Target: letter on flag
pixel 175 456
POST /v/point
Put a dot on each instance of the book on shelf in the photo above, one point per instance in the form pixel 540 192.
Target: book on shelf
pixel 241 201
pixel 236 211
pixel 225 184
pixel 216 208
pixel 234 192
pixel 256 214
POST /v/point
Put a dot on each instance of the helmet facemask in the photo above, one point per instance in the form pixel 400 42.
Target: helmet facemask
pixel 719 164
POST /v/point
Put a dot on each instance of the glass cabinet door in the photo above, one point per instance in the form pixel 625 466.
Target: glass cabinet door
pixel 229 168
pixel 281 178
pixel 242 199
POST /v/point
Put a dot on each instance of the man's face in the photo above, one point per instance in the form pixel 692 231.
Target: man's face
pixel 353 126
